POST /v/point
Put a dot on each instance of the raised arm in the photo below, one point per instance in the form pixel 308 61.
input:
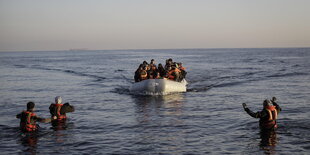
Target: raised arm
pixel 251 113
pixel 43 120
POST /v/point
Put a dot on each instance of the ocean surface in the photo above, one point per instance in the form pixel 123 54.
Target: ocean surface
pixel 207 119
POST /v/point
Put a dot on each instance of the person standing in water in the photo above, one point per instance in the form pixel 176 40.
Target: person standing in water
pixel 28 119
pixel 58 110
pixel 268 116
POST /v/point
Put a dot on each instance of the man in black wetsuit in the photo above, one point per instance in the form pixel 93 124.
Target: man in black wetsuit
pixel 268 116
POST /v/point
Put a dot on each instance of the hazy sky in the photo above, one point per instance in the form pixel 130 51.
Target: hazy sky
pixel 149 24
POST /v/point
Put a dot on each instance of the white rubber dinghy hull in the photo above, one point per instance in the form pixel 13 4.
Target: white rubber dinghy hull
pixel 158 87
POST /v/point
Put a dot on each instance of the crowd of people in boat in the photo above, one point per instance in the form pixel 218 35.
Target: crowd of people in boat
pixel 172 71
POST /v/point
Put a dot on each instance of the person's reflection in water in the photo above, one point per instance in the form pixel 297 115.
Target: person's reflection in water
pixel 29 141
pixel 268 141
pixel 59 125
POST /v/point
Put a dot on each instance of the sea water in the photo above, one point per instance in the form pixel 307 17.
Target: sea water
pixel 208 118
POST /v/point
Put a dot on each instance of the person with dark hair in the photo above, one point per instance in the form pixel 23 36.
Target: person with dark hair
pixel 152 62
pixel 152 73
pixel 174 73
pixel 183 72
pixel 144 63
pixel 268 116
pixel 143 73
pixel 153 66
pixel 58 110
pixel 169 62
pixel 28 119
pixel 161 70
pixel 137 73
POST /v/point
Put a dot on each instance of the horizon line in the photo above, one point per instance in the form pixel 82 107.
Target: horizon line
pixel 86 49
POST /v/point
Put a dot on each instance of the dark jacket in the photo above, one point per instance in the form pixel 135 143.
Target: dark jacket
pixel 265 121
pixel 162 71
pixel 64 109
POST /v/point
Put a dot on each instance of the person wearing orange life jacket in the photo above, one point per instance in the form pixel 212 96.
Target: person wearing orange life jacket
pixel 143 74
pixel 174 73
pixel 137 73
pixel 183 72
pixel 152 64
pixel 58 111
pixel 153 72
pixel 28 119
pixel 268 116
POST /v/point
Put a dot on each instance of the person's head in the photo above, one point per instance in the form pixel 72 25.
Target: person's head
pixel 144 62
pixel 30 106
pixel 169 68
pixel 144 67
pixel 58 100
pixel 152 61
pixel 267 103
pixel 160 65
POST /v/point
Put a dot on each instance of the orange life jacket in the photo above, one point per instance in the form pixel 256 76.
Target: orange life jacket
pixel 182 68
pixel 143 75
pixel 28 125
pixel 170 76
pixel 272 117
pixel 59 116
pixel 152 66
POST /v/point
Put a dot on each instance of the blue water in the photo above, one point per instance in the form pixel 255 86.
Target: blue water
pixel 109 120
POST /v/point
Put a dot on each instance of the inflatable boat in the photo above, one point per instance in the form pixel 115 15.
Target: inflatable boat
pixel 158 87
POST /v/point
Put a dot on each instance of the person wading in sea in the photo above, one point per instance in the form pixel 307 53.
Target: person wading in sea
pixel 268 116
pixel 58 111
pixel 28 119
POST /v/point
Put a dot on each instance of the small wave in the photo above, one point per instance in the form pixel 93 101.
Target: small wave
pixel 230 84
pixel 119 70
pixel 287 74
pixel 20 66
pixel 121 90
pixel 98 78
pixel 200 89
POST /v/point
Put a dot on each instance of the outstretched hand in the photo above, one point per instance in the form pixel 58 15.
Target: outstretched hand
pixel 244 106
